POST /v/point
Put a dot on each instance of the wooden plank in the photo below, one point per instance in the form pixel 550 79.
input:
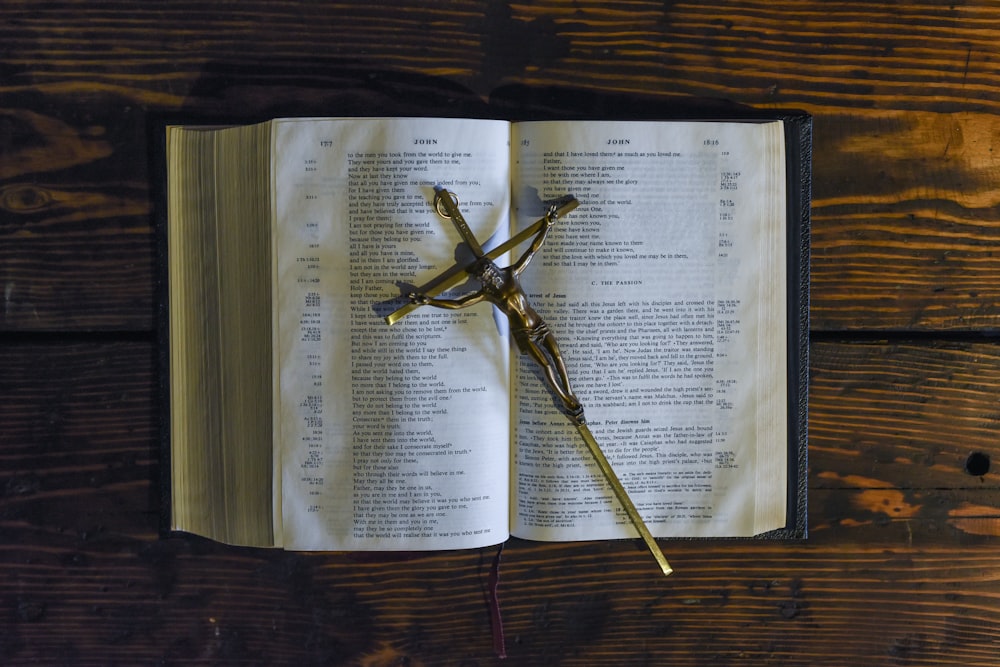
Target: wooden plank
pixel 76 246
pixel 79 448
pixel 85 578
pixel 905 222
pixel 841 54
pixel 903 415
pixel 888 253
pixel 182 600
pixel 904 96
pixel 82 419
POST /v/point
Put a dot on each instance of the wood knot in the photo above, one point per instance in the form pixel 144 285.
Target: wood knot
pixel 24 198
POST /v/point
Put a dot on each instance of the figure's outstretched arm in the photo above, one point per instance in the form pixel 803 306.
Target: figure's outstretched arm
pixel 449 304
pixel 536 244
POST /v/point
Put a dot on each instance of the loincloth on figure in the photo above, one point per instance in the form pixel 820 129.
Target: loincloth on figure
pixel 527 337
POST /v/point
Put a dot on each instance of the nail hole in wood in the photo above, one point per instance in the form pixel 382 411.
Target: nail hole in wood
pixel 978 464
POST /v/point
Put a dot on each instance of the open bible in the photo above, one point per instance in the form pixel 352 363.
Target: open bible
pixel 677 291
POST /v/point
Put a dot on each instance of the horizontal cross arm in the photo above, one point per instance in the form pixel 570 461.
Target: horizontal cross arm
pixel 457 273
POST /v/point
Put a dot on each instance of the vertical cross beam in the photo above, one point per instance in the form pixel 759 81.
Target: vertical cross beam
pixel 449 201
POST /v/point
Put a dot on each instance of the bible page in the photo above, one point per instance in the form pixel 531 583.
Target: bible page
pixel 389 438
pixel 666 291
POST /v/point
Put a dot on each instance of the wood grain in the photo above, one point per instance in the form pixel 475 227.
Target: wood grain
pixel 905 222
pixel 901 565
pixel 904 97
pixel 896 523
pixel 913 412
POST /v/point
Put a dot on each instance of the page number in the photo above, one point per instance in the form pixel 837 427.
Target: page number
pixel 325 143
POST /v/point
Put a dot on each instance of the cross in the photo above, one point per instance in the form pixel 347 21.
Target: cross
pixel 501 287
pixel 458 273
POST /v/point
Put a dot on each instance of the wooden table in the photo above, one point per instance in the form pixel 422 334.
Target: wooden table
pixel 902 565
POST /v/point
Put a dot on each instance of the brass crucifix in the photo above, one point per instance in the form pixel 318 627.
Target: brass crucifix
pixel 502 288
